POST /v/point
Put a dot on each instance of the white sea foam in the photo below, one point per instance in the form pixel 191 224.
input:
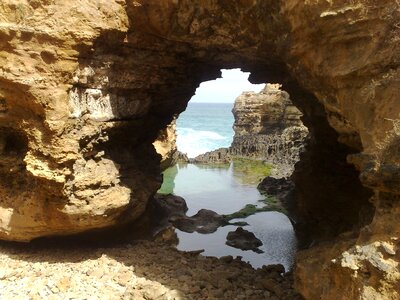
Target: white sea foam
pixel 195 142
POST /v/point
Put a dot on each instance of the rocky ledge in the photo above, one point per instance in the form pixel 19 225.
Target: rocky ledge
pixel 218 156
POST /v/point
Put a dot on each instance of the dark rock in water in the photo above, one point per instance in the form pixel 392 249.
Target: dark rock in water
pixel 167 206
pixel 154 222
pixel 170 209
pixel 205 221
pixel 244 240
pixel 275 186
pixel 219 156
pixel 283 191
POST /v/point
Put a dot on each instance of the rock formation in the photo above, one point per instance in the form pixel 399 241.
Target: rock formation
pixel 218 156
pixel 165 145
pixel 282 189
pixel 86 87
pixel 244 240
pixel 204 221
pixel 167 210
pixel 268 126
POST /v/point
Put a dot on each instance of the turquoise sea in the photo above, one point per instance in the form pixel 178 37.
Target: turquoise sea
pixel 204 127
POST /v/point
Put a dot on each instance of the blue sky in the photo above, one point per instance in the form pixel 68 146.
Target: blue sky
pixel 225 89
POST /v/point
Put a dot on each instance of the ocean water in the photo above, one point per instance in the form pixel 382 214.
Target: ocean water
pixel 204 127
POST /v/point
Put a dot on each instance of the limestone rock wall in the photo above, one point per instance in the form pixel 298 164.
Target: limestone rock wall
pixel 217 156
pixel 165 145
pixel 268 126
pixel 348 55
pixel 86 87
pixel 80 108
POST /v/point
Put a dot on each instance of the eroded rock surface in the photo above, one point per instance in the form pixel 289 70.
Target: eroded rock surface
pixel 268 126
pixel 218 156
pixel 168 210
pixel 85 89
pixel 165 145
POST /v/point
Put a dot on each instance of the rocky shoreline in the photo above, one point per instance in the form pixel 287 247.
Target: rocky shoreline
pixel 140 270
pixel 267 127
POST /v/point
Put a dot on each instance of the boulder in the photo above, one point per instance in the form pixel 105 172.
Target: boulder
pixel 244 240
pixel 205 221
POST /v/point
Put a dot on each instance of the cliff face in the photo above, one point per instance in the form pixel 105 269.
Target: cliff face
pixel 86 88
pixel 348 55
pixel 268 126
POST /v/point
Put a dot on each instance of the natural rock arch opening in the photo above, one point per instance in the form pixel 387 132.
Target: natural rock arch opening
pixel 83 105
pixel 210 108
pixel 330 199
pixel 219 179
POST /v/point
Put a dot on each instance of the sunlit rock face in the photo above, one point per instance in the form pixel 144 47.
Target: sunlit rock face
pixel 268 126
pixel 165 145
pixel 85 89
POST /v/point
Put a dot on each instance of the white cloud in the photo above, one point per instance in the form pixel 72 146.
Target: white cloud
pixel 225 89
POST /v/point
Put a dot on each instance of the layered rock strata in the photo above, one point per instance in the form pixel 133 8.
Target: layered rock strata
pixel 268 127
pixel 86 87
pixel 165 145
pixel 218 156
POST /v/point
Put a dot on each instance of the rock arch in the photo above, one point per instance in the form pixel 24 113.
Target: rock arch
pixel 90 86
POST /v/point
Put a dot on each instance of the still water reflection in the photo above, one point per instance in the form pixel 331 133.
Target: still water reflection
pixel 225 190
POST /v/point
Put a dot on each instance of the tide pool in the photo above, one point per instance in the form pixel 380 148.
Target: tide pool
pixel 227 189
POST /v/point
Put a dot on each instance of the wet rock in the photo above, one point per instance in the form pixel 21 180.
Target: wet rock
pixel 168 206
pixel 275 186
pixel 282 190
pixel 154 223
pixel 219 156
pixel 272 286
pixel 165 211
pixel 244 240
pixel 205 221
